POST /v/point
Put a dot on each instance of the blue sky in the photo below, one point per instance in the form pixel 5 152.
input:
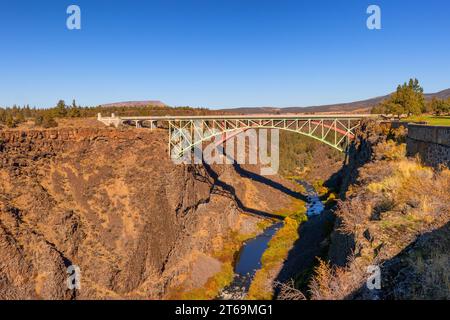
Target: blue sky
pixel 219 53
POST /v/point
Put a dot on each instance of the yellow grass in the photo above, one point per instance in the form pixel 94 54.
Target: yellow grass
pixel 222 278
pixel 213 286
pixel 277 251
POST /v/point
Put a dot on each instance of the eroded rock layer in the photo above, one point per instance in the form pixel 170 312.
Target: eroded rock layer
pixel 112 203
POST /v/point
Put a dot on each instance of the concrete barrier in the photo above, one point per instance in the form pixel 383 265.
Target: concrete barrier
pixel 431 143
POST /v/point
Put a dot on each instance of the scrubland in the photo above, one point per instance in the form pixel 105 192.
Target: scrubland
pixel 397 214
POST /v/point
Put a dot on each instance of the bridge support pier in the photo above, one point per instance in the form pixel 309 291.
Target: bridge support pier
pixel 113 120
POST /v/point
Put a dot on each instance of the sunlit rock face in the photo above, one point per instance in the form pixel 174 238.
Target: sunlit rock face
pixel 112 203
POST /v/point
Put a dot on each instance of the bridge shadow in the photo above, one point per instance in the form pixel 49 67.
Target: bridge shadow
pixel 268 182
pixel 316 233
pixel 263 179
pixel 222 188
pixel 303 256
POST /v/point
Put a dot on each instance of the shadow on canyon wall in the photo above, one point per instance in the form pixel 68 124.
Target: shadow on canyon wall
pixel 318 233
pixel 268 182
pixel 229 191
pixel 226 190
pixel 419 271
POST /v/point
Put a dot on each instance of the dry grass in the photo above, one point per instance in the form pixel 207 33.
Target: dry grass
pixel 426 268
pixel 221 279
pixel 395 201
pixel 288 291
pixel 277 251
pixel 434 274
pixel 389 150
pixel 213 286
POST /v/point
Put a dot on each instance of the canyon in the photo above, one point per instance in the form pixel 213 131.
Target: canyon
pixel 110 202
pixel 138 226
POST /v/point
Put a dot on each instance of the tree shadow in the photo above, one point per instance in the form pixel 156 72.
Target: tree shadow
pixel 357 154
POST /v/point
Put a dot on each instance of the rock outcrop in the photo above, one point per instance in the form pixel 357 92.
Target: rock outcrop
pixel 113 204
pixel 393 217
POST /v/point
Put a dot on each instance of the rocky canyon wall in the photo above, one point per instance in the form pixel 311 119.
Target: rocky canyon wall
pixel 112 203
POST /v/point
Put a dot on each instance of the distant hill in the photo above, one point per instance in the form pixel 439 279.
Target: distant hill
pixel 444 94
pixel 363 106
pixel 135 104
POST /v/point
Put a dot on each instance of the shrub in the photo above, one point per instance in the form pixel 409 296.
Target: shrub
pixel 395 202
pixel 11 122
pixel 48 121
pixel 38 120
pixel 389 150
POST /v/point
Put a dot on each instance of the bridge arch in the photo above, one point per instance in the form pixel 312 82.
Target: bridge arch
pixel 332 129
pixel 332 132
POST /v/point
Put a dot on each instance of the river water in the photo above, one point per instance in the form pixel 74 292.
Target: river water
pixel 249 258
pixel 313 204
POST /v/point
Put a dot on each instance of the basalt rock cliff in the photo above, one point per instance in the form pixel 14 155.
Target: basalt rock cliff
pixel 112 203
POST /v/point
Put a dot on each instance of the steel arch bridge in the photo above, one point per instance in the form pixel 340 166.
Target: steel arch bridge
pixel 334 130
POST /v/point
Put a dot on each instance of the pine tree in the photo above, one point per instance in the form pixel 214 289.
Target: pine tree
pixel 439 106
pixel 48 121
pixel 60 109
pixel 408 99
pixel 74 111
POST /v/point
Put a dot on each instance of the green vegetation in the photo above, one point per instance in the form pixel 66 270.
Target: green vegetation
pixel 299 153
pixel 222 278
pixel 277 251
pixel 430 120
pixel 409 100
pixel 321 190
pixel 46 120
pixel 12 117
pixel 212 287
pixel 439 106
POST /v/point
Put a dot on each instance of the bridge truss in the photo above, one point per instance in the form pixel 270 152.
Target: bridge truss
pixel 335 132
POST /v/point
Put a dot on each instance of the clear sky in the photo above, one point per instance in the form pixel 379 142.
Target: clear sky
pixel 219 53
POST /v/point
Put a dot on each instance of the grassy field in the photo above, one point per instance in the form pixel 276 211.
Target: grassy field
pixel 431 120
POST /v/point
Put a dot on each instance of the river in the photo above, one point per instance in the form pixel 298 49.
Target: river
pixel 249 258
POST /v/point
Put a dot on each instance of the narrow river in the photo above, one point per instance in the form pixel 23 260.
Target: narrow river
pixel 249 258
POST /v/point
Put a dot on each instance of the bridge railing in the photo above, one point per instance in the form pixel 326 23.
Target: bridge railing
pixel 335 130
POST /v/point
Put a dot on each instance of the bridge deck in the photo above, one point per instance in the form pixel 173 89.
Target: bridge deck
pixel 333 129
pixel 254 116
